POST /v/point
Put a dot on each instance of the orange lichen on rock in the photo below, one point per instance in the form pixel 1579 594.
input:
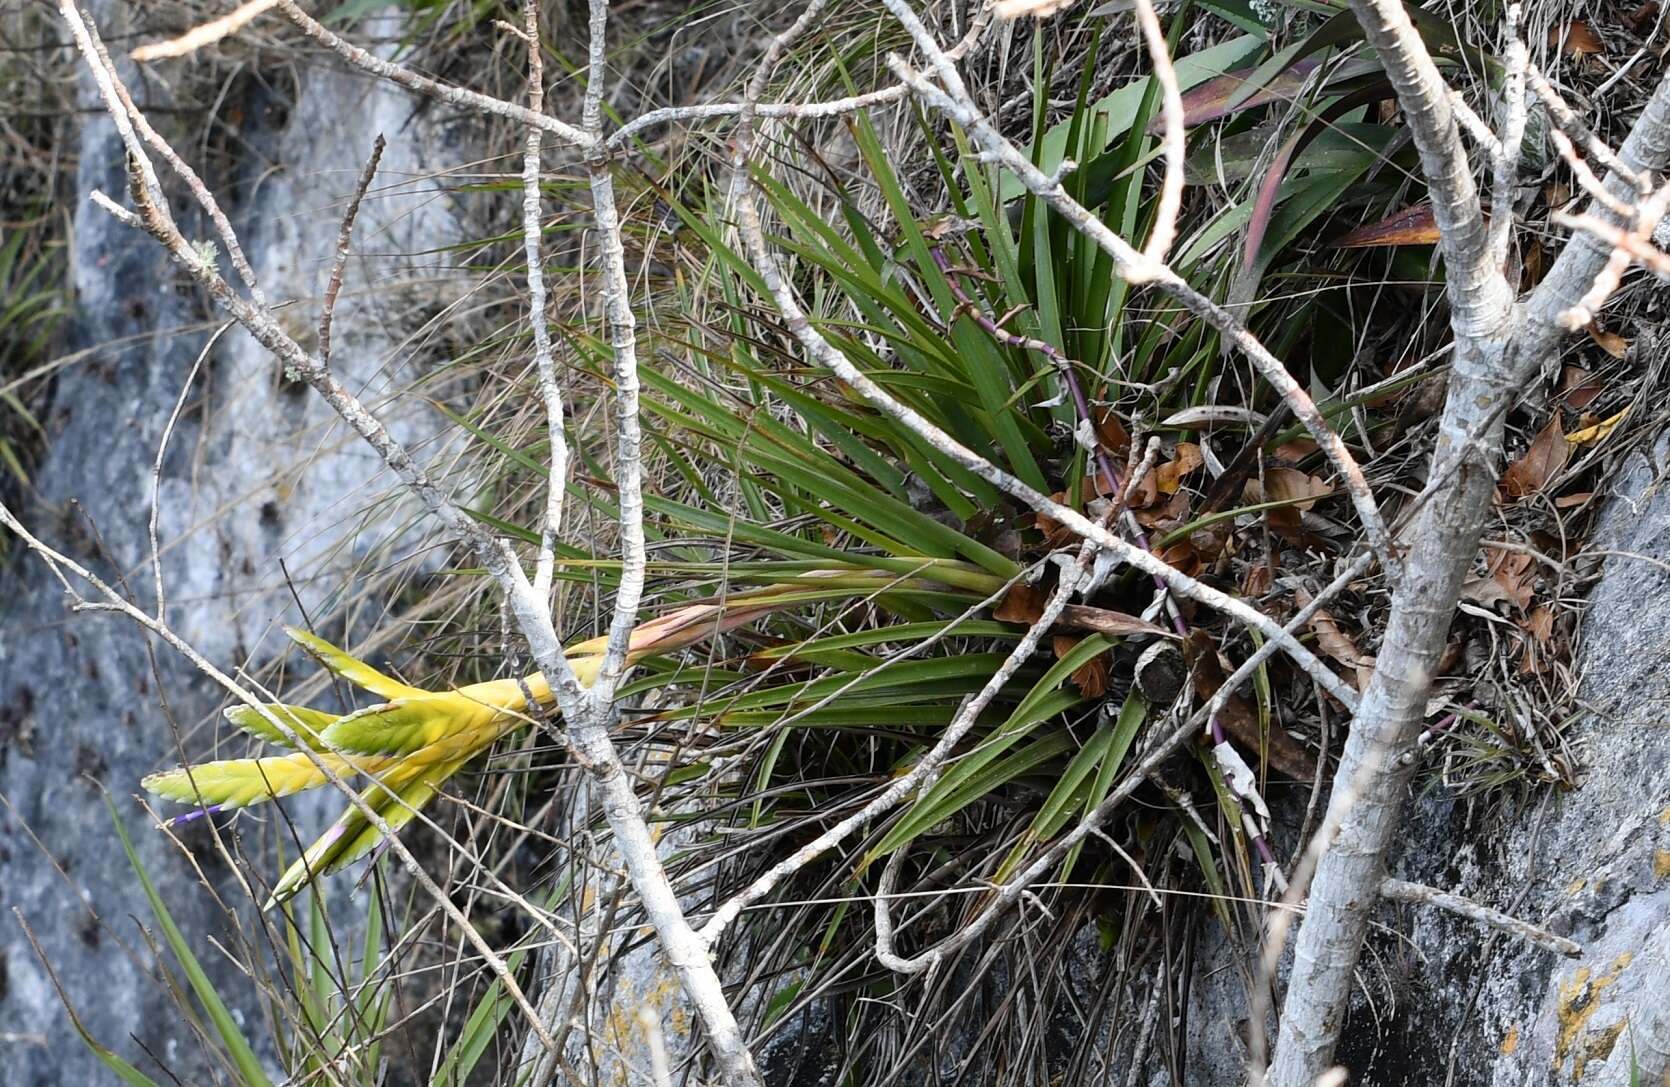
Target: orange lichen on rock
pixel 1575 1005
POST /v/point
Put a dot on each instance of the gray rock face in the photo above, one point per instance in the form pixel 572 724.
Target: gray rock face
pixel 256 472
pixel 1597 868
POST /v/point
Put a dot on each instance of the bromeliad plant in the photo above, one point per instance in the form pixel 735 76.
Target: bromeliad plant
pixel 410 744
pixel 948 320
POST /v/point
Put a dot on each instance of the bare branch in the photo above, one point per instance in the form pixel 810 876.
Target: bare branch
pixel 1627 246
pixel 112 88
pixel 1402 891
pixel 660 1074
pixel 1505 181
pixel 205 34
pixel 344 238
pixel 550 390
pixel 1573 274
pixel 1494 357
pixel 1631 244
pixel 1475 126
pixel 1480 298
pixel 1591 182
pixel 154 218
pixel 1572 126
pixel 623 338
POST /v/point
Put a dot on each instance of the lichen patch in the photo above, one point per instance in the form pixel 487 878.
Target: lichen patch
pixel 1575 1004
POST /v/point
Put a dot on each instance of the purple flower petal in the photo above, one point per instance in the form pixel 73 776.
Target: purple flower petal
pixel 195 814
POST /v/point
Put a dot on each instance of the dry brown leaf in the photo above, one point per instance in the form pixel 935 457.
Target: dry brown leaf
pixel 1610 342
pixel 1238 718
pixel 1168 516
pixel 1486 592
pixel 1577 38
pixel 1183 556
pixel 1111 432
pixel 1055 532
pixel 1411 226
pixel 1572 501
pixel 1579 387
pixel 1533 263
pixel 1287 485
pixel 1558 548
pixel 1091 677
pixel 1257 581
pixel 1513 571
pixel 1540 624
pixel 1542 462
pixel 1337 644
pixel 1147 492
pixel 1110 622
pixel 1535 652
pixel 1021 604
pixel 1292 485
pixel 1184 462
pixel 1209 542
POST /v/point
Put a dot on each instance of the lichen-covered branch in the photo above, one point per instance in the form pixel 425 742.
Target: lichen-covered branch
pixel 1499 347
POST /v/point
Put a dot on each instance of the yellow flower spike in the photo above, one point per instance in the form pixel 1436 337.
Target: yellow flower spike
pixel 238 783
pixel 305 723
pixel 414 740
pixel 353 835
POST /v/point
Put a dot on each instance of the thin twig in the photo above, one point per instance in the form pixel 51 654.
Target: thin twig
pixel 1171 109
pixel 1505 180
pixel 1627 246
pixel 133 121
pixel 550 390
pixel 921 776
pixel 156 467
pixel 1591 182
pixel 204 34
pixel 623 339
pixel 344 239
pixel 1403 891
pixel 1575 129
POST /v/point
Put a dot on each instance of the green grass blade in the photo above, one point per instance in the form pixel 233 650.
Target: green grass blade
pixel 237 1046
